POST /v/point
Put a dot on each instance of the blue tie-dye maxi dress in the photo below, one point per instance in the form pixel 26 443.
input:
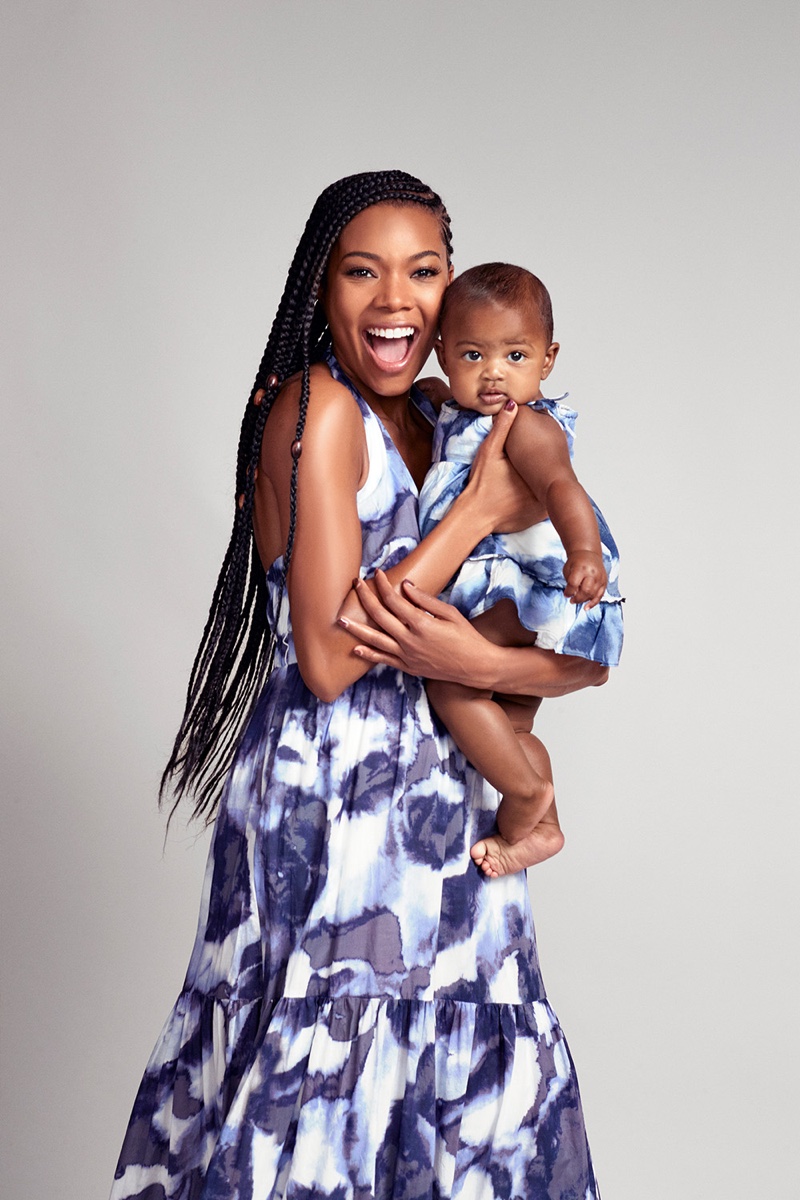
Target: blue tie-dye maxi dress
pixel 363 1015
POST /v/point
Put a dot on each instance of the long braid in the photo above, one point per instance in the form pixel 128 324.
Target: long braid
pixel 232 659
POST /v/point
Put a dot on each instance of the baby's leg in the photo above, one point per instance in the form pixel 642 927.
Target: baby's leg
pixel 500 855
pixel 495 735
pixel 483 732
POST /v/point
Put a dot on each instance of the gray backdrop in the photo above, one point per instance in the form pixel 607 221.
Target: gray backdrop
pixel 163 158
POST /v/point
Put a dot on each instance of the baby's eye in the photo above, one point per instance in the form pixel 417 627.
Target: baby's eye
pixel 472 355
pixel 516 356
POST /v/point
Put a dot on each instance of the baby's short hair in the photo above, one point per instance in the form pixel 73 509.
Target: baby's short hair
pixel 500 283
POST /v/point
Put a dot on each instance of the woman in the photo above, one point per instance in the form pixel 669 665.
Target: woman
pixel 363 1014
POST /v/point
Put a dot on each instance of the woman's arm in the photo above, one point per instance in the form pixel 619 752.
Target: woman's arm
pixel 327 549
pixel 420 634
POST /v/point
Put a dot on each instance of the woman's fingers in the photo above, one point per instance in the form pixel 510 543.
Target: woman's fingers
pixel 429 604
pixel 369 654
pixel 376 639
pixel 385 615
pixel 496 437
pixel 407 611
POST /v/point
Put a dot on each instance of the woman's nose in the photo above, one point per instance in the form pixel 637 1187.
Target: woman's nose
pixel 392 293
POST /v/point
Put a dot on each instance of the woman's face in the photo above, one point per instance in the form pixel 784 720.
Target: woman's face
pixel 383 290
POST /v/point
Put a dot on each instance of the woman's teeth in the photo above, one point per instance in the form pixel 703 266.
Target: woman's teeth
pixel 390 345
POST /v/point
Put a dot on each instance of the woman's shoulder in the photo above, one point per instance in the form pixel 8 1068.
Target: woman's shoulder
pixel 329 399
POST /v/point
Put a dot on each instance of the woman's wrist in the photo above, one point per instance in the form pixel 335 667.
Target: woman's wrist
pixel 472 512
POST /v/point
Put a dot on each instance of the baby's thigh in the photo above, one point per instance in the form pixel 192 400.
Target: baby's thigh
pixel 501 626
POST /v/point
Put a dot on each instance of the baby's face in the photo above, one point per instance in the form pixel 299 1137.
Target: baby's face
pixel 492 354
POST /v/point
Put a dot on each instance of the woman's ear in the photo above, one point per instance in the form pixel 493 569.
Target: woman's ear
pixel 550 359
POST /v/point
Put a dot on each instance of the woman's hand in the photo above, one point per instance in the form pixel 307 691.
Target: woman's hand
pixel 414 632
pixel 503 497
pixel 419 634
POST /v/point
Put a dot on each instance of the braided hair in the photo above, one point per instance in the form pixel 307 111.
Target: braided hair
pixel 233 658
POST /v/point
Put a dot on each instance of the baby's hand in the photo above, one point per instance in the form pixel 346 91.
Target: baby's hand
pixel 586 578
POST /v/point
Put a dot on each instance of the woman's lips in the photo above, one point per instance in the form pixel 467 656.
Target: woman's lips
pixel 390 346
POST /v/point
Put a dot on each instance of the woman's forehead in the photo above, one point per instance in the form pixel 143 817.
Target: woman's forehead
pixel 389 225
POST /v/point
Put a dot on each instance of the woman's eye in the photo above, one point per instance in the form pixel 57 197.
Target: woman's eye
pixel 516 356
pixel 427 273
pixel 359 272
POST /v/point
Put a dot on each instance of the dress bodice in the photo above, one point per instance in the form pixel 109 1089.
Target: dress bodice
pixel 386 504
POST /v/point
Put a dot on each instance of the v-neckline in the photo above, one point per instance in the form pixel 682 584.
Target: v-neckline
pixel 387 437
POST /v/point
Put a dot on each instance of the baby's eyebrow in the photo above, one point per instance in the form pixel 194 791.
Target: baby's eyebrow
pixel 520 341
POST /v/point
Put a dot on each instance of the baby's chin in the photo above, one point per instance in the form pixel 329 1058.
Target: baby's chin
pixel 485 408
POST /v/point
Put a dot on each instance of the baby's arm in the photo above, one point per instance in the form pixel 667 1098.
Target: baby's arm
pixel 538 450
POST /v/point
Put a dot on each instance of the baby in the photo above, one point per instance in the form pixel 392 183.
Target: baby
pixel 554 584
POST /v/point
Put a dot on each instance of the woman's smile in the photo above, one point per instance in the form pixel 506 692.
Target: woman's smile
pixel 390 345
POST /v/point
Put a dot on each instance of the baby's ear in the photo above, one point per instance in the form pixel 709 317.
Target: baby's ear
pixel 550 359
pixel 438 346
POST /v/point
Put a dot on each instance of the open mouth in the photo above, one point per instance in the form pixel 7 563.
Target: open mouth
pixel 390 347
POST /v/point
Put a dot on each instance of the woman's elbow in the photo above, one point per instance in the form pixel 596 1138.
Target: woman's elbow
pixel 322 673
pixel 321 684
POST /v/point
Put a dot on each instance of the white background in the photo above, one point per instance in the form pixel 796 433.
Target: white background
pixel 163 158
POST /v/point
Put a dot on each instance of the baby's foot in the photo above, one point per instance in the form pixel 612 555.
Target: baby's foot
pixel 495 856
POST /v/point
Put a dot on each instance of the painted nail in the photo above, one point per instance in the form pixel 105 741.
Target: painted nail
pixel 509 406
pixel 343 621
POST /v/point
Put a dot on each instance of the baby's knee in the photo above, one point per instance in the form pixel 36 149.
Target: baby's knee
pixel 599 673
pixel 445 696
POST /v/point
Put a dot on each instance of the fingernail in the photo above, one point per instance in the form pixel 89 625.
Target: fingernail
pixel 509 406
pixel 357 583
pixel 409 582
pixel 344 621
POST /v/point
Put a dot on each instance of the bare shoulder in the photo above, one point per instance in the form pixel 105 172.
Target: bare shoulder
pixel 326 395
pixel 537 446
pixel 332 412
pixel 534 429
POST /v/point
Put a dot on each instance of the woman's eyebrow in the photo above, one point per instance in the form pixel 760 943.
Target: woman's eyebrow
pixel 377 257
